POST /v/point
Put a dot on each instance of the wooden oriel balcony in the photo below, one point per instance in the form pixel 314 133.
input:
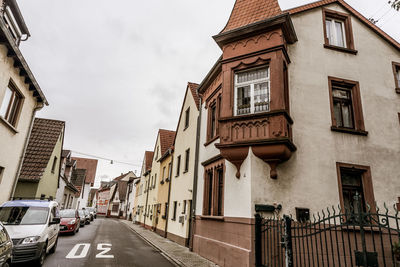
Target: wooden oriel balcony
pixel 268 133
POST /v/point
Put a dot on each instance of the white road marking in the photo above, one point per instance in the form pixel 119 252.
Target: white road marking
pixel 104 251
pixel 72 253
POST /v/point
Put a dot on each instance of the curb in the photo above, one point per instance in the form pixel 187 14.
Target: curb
pixel 171 259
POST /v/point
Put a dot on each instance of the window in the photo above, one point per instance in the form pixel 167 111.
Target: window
pixel 252 91
pixel 163 173
pixel 155 180
pixel 1 173
pixel 346 110
pixel 11 105
pixel 166 210
pixel 53 167
pixel 178 165
pixel 396 73
pixel 187 154
pixel 187 117
pixel 174 211
pixel 169 171
pixel 213 116
pixel 338 31
pixel 213 203
pixel 213 122
pixel 352 180
pixel 184 207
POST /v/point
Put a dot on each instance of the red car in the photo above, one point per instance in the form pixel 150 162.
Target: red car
pixel 70 221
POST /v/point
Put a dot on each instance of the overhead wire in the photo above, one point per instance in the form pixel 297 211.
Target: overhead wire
pixel 112 161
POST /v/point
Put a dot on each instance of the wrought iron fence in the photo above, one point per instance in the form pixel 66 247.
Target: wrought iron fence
pixel 357 236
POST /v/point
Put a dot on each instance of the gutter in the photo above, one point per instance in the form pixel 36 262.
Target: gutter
pixel 147 199
pixel 196 169
pixel 38 107
pixel 169 196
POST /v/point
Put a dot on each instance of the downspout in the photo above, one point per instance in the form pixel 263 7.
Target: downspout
pixel 169 193
pixel 38 107
pixel 196 168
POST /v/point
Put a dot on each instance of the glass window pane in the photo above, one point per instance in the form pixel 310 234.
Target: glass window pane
pixel 339 33
pixel 328 30
pixel 347 116
pixel 5 103
pixel 338 93
pixel 337 113
pixel 261 97
pixel 398 78
pixel 252 75
pixel 243 100
pixel 351 179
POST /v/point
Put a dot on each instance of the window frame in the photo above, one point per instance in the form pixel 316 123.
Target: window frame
pixel 53 166
pixel 187 160
pixel 366 179
pixel 175 206
pixel 213 193
pixel 187 118
pixel 346 26
pixel 396 75
pixel 178 165
pixel 1 173
pixel 15 103
pixel 358 119
pixel 237 85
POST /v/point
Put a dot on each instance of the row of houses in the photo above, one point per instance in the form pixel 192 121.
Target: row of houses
pixel 300 112
pixel 33 163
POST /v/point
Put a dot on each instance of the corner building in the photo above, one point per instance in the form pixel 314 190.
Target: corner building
pixel 299 100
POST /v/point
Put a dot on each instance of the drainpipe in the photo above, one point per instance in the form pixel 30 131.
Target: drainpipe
pixel 38 107
pixel 196 168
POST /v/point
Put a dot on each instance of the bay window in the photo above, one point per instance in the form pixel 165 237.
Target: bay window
pixel 252 91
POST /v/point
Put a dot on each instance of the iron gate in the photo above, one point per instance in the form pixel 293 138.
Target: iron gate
pixel 358 236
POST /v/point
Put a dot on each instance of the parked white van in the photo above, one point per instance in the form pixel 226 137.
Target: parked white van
pixel 33 226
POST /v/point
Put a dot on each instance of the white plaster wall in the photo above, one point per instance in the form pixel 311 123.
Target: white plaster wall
pixel 12 143
pixel 60 191
pixel 309 178
pixel 155 169
pixel 182 185
pixel 237 192
pixel 85 196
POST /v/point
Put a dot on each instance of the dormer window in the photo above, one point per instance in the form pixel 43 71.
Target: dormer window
pixel 252 91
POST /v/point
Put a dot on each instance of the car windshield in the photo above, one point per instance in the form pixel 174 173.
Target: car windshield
pixel 23 215
pixel 67 213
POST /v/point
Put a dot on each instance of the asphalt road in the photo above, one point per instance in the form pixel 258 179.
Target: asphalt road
pixel 105 242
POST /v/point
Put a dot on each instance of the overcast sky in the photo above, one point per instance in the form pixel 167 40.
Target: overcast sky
pixel 116 71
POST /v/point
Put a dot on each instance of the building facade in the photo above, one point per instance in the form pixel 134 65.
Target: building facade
pixel 20 97
pixel 40 172
pixel 142 188
pixel 181 195
pixel 300 112
pixel 66 190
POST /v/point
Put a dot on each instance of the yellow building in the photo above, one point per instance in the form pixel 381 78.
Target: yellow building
pixel 161 215
pixel 41 166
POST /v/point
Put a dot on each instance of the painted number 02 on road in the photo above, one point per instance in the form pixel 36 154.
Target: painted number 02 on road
pixel 104 248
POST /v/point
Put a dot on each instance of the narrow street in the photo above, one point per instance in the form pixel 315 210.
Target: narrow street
pixel 126 248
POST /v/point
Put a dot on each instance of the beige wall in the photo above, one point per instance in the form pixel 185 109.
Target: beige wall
pixel 309 178
pixel 12 142
pixel 153 192
pixel 162 196
pixel 182 185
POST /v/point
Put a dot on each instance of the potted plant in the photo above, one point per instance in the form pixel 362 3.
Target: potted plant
pixel 396 252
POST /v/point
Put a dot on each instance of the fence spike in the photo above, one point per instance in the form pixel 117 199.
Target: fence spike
pixel 319 216
pixel 323 214
pixel 334 211
pixel 377 207
pixel 314 218
pixel 386 208
pixel 329 213
pixel 368 208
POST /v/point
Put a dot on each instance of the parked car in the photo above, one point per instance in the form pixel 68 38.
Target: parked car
pixel 6 247
pixel 33 226
pixel 82 218
pixel 70 221
pixel 87 216
pixel 92 213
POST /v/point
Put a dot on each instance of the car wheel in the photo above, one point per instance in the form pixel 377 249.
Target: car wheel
pixel 53 249
pixel 78 227
pixel 42 257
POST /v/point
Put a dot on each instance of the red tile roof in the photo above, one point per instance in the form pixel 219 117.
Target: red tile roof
pixel 122 188
pixel 358 15
pixel 246 12
pixel 42 141
pixel 193 88
pixel 90 165
pixel 148 155
pixel 166 140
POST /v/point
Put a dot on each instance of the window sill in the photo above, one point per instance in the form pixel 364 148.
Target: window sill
pixel 350 131
pixel 398 90
pixel 211 140
pixel 341 49
pixel 9 125
pixel 210 217
pixel 185 171
pixel 185 127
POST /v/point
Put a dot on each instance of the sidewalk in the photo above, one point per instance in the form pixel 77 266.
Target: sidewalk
pixel 178 254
